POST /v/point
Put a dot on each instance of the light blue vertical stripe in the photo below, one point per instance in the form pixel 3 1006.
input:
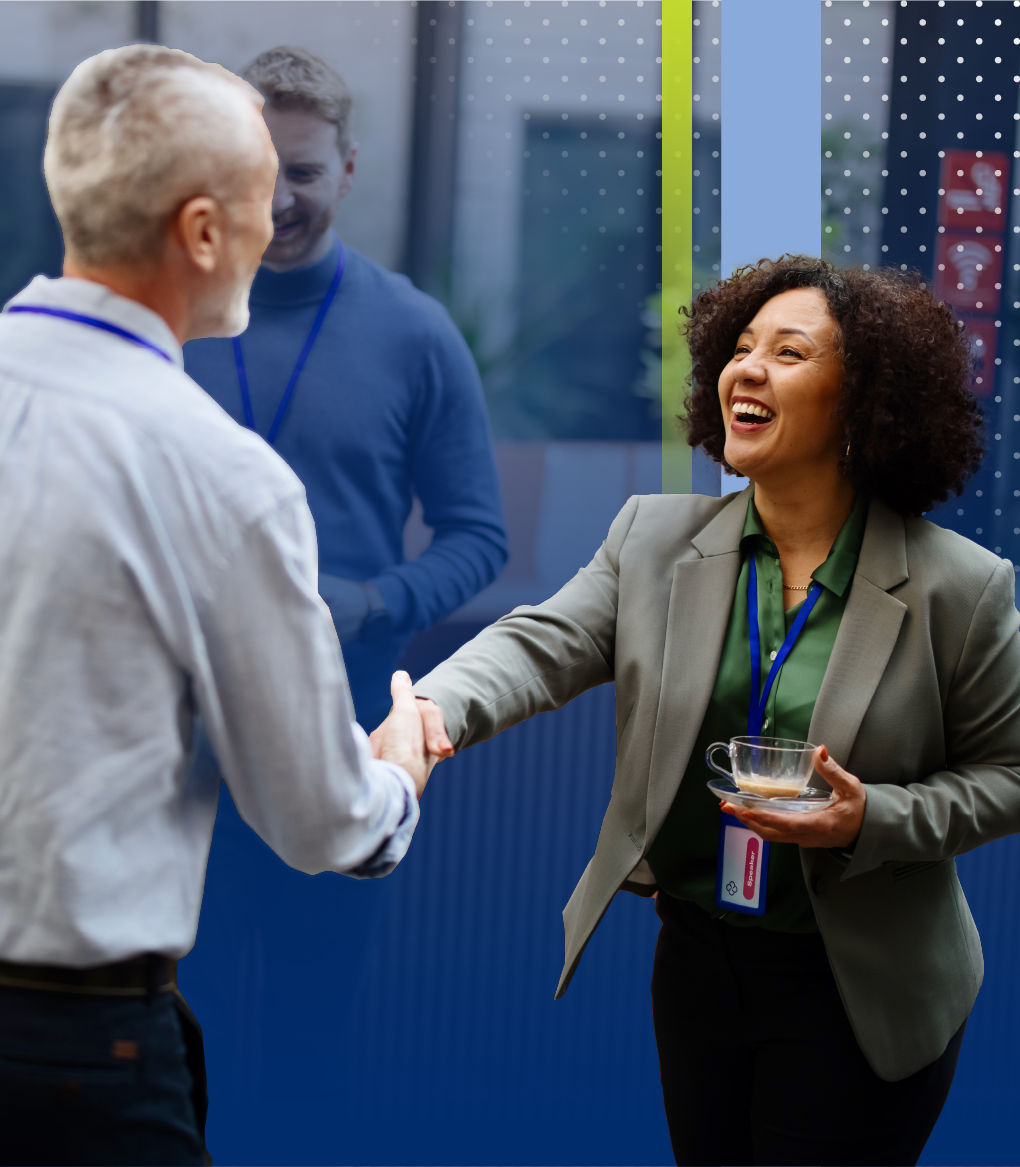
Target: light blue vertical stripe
pixel 771 144
pixel 771 129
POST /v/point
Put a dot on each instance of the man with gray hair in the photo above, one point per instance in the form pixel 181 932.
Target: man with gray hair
pixel 157 561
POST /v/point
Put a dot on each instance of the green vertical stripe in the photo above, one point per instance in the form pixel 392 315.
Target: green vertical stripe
pixel 676 233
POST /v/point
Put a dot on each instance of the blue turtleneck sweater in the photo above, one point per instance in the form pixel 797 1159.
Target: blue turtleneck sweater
pixel 388 407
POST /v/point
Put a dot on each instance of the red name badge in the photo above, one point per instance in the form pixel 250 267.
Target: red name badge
pixel 751 867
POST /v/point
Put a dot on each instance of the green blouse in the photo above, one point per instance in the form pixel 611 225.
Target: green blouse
pixel 683 856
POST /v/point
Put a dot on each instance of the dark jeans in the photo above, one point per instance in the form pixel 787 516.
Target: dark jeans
pixel 759 1064
pixel 87 1079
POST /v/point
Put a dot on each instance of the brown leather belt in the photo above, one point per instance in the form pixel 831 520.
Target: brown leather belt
pixel 140 976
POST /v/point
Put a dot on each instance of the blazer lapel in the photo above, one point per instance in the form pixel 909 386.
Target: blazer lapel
pixel 699 607
pixel 867 634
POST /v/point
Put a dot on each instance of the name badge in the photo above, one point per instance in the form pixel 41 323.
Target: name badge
pixel 742 872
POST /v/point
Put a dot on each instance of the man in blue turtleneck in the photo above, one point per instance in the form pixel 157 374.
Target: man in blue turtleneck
pixel 364 386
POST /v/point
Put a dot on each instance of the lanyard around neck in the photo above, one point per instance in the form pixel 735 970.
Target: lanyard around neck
pixel 760 696
pixel 288 393
pixel 93 322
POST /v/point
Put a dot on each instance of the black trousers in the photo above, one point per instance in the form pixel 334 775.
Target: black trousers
pixel 758 1062
pixel 88 1079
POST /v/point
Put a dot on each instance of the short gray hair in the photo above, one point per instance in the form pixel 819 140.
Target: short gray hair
pixel 293 78
pixel 133 134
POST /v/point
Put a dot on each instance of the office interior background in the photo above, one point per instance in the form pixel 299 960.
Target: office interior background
pixel 510 164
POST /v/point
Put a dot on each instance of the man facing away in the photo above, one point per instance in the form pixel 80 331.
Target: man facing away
pixel 365 388
pixel 156 561
pixel 363 385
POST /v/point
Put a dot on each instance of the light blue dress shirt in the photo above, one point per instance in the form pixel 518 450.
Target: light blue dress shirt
pixel 156 561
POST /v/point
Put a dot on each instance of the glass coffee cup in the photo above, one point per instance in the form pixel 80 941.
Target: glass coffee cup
pixel 771 767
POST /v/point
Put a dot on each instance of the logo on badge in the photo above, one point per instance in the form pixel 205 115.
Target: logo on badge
pixel 731 887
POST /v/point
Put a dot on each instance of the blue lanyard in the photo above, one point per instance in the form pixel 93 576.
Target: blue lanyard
pixel 93 322
pixel 288 393
pixel 760 696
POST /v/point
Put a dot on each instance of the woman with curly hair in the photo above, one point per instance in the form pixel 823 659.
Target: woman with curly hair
pixel 817 605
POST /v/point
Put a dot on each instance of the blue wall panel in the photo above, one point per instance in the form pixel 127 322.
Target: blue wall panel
pixel 412 1020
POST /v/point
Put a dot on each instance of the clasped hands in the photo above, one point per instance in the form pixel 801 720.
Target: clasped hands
pixel 837 826
pixel 413 734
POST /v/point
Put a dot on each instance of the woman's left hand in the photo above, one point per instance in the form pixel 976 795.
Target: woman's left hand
pixel 836 826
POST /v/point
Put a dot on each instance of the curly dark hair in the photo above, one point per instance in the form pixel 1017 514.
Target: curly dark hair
pixel 915 429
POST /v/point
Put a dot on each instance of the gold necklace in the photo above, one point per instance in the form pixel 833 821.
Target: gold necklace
pixel 796 587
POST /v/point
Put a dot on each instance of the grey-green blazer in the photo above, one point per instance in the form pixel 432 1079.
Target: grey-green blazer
pixel 921 700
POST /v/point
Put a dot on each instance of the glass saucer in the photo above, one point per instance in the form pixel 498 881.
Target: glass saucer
pixel 811 800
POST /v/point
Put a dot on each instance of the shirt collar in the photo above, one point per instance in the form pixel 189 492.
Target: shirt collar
pixel 93 299
pixel 837 571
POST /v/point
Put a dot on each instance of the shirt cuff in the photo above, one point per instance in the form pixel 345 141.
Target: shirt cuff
pixel 390 853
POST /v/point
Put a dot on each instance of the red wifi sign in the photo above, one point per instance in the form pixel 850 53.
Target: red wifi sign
pixel 968 271
pixel 973 196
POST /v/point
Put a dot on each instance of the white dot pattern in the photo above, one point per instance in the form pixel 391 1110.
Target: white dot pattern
pixel 559 212
pixel 919 171
pixel 856 61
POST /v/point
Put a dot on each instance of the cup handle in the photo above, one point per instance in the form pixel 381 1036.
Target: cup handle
pixel 712 765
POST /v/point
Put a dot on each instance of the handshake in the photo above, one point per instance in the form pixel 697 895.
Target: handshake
pixel 413 735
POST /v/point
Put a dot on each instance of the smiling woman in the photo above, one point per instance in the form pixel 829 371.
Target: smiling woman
pixel 846 965
pixel 909 427
pixel 780 391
